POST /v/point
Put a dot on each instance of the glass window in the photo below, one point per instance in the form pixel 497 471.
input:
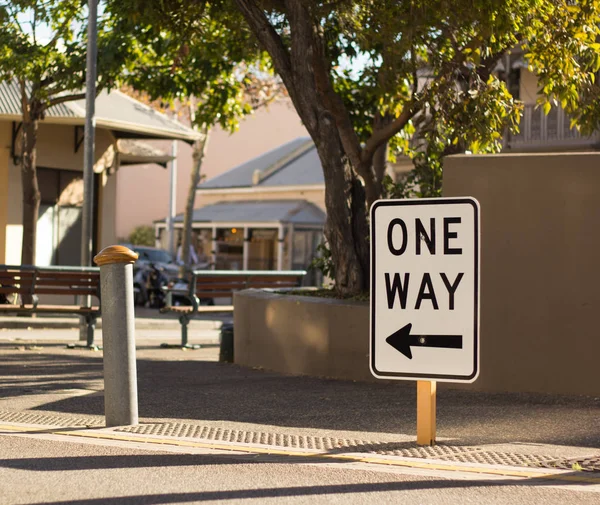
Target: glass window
pixel 154 255
pixel 262 249
pixel 230 249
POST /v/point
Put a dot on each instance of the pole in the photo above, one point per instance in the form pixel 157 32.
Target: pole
pixel 426 406
pixel 118 335
pixel 88 139
pixel 172 200
pixel 87 218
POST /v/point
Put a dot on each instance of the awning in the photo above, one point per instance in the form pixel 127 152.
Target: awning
pixel 115 111
pixel 136 152
pixel 298 212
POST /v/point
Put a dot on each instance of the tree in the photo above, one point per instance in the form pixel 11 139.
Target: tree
pixel 414 62
pixel 566 58
pixel 50 70
pixel 365 76
pixel 213 78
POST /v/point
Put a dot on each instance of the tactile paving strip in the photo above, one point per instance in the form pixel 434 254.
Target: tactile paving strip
pixel 440 452
pixel 245 437
pixel 49 420
pixel 583 464
pixel 332 444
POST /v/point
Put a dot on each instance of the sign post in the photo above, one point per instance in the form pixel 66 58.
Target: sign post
pixel 425 296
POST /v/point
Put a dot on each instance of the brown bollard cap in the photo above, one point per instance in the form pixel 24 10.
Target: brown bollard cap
pixel 115 254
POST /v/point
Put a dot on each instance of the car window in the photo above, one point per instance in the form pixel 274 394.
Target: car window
pixel 155 255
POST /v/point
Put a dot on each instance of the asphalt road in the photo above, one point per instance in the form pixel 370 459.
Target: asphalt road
pixel 38 375
pixel 37 469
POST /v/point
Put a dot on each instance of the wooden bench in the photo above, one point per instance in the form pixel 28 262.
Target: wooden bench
pixel 27 282
pixel 211 284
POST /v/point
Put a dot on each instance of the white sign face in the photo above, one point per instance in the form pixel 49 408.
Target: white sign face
pixel 425 289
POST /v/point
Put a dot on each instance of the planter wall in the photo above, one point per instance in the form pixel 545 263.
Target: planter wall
pixel 540 300
pixel 302 335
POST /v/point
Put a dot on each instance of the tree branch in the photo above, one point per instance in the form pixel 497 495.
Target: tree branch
pixel 65 98
pixel 304 31
pixel 268 38
pixel 387 131
pixel 24 101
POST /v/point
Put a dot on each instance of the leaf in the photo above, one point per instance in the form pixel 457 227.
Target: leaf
pixel 547 107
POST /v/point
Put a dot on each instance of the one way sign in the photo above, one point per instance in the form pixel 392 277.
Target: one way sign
pixel 425 289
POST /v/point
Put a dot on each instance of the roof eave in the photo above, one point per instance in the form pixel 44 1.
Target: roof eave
pixel 136 131
pixel 265 188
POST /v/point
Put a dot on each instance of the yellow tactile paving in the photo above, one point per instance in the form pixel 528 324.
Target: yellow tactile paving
pixel 424 465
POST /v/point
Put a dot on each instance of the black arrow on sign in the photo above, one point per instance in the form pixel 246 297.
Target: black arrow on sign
pixel 402 341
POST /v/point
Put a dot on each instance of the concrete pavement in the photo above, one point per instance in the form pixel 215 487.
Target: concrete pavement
pixel 145 318
pixel 188 401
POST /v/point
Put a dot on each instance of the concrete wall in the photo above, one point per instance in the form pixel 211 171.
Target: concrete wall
pixel 302 335
pixel 540 217
pixel 264 130
pixel 107 202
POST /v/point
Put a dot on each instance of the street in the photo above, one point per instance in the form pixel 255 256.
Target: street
pixel 218 432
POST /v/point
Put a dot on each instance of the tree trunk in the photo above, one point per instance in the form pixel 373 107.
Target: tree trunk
pixel 380 169
pixel 31 191
pixel 198 156
pixel 346 228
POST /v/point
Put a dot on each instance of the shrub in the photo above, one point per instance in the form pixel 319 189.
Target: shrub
pixel 142 235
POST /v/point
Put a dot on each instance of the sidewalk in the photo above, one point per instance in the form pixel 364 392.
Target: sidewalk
pixel 145 318
pixel 188 397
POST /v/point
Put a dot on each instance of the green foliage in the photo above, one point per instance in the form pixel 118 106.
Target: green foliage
pixel 185 49
pixel 142 235
pixel 564 51
pixel 458 120
pixel 416 76
pixel 323 261
pixel 44 43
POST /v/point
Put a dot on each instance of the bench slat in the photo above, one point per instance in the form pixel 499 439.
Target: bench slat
pixel 67 282
pixel 15 289
pixel 50 290
pixel 254 285
pixel 214 294
pixel 238 279
pixel 61 309
pixel 222 286
pixel 56 276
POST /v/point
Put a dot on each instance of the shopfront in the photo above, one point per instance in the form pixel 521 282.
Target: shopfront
pixel 281 235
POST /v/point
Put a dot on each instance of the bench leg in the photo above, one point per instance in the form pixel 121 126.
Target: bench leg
pixel 184 321
pixel 90 326
pixel 184 330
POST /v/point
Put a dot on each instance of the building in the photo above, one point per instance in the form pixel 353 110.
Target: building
pixel 265 129
pixel 265 214
pixel 120 122
pixel 539 132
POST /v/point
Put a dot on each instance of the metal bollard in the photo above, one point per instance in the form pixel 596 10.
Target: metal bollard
pixel 118 335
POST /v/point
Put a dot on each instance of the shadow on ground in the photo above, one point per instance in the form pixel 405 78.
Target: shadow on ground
pixel 173 384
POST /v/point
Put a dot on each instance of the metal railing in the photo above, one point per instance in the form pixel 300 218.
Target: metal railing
pixel 553 130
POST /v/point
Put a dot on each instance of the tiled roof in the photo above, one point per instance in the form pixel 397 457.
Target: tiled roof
pixel 275 211
pixel 10 102
pixel 291 164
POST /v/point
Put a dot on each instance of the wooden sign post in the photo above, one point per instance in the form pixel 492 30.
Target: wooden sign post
pixel 426 399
